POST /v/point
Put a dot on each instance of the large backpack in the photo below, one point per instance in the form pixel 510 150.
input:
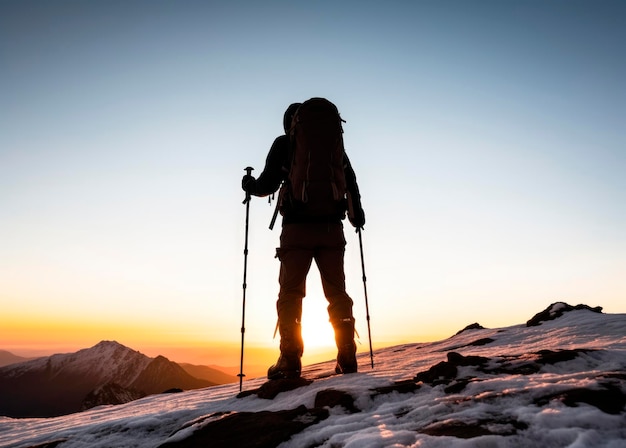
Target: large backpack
pixel 316 184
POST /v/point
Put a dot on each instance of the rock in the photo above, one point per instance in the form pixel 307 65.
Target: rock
pixel 271 388
pixel 110 393
pixel 331 398
pixel 609 398
pixel 51 444
pixel 470 429
pixel 402 387
pixel 474 326
pixel 556 310
pixel 264 429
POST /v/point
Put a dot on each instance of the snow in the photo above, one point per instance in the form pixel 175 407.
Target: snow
pixel 555 308
pixel 509 409
pixel 107 361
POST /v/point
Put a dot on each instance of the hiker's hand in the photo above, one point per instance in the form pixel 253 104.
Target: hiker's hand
pixel 357 218
pixel 248 183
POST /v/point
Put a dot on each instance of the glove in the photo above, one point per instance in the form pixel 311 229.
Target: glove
pixel 356 215
pixel 357 218
pixel 248 183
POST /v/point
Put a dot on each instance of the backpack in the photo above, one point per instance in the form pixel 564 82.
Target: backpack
pixel 316 183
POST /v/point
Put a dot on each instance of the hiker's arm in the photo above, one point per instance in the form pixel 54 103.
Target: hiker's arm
pixel 272 175
pixel 351 184
pixel 356 215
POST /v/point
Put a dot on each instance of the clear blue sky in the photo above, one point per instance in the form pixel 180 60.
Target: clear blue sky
pixel 488 139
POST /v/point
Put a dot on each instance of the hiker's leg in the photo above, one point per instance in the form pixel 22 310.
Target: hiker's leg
pixel 329 257
pixel 295 262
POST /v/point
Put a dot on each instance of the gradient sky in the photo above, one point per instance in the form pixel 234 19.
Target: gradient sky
pixel 488 138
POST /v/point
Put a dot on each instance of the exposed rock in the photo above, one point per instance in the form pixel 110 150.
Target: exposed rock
pixel 270 389
pixel 402 387
pixel 460 360
pixel 481 342
pixel 476 343
pixel 556 310
pixel 532 362
pixel 469 430
pixel 474 326
pixel 446 371
pixel 552 356
pixel 331 398
pixel 173 390
pixel 610 398
pixel 110 393
pixel 51 444
pixel 263 429
pixel 441 373
pixel 458 385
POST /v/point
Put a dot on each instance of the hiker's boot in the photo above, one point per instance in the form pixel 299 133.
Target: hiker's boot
pixel 291 348
pixel 346 347
pixel 287 366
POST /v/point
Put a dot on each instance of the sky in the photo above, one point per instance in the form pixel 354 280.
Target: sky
pixel 487 137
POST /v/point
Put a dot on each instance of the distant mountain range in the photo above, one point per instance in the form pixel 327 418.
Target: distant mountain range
pixel 107 373
pixel 7 358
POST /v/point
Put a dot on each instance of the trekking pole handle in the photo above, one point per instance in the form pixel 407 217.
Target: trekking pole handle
pixel 248 171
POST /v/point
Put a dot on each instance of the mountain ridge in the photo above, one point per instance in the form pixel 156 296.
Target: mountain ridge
pixel 107 373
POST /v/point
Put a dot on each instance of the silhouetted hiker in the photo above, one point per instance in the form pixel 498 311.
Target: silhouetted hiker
pixel 319 188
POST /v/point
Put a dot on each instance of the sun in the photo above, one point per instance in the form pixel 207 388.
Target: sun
pixel 317 332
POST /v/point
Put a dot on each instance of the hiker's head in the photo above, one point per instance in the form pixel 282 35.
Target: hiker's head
pixel 289 115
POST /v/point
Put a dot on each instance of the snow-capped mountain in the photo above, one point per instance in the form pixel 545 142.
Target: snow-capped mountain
pixel 558 381
pixel 107 373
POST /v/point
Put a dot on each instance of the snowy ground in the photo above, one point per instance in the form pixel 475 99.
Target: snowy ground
pixel 559 384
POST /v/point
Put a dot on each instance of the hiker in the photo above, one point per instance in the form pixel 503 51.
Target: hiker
pixel 313 201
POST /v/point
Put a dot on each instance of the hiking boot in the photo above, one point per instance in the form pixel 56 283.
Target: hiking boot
pixel 346 347
pixel 346 359
pixel 291 348
pixel 286 367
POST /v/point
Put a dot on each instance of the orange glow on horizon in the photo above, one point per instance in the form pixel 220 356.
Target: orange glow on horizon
pixel 38 334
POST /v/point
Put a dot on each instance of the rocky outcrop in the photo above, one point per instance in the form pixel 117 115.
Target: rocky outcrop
pixel 556 310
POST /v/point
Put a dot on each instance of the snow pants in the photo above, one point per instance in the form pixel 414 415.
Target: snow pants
pixel 300 244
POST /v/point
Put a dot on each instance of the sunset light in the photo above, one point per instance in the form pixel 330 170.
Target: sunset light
pixel 487 138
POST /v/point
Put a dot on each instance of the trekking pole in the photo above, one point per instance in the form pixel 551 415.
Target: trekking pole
pixel 367 309
pixel 246 201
